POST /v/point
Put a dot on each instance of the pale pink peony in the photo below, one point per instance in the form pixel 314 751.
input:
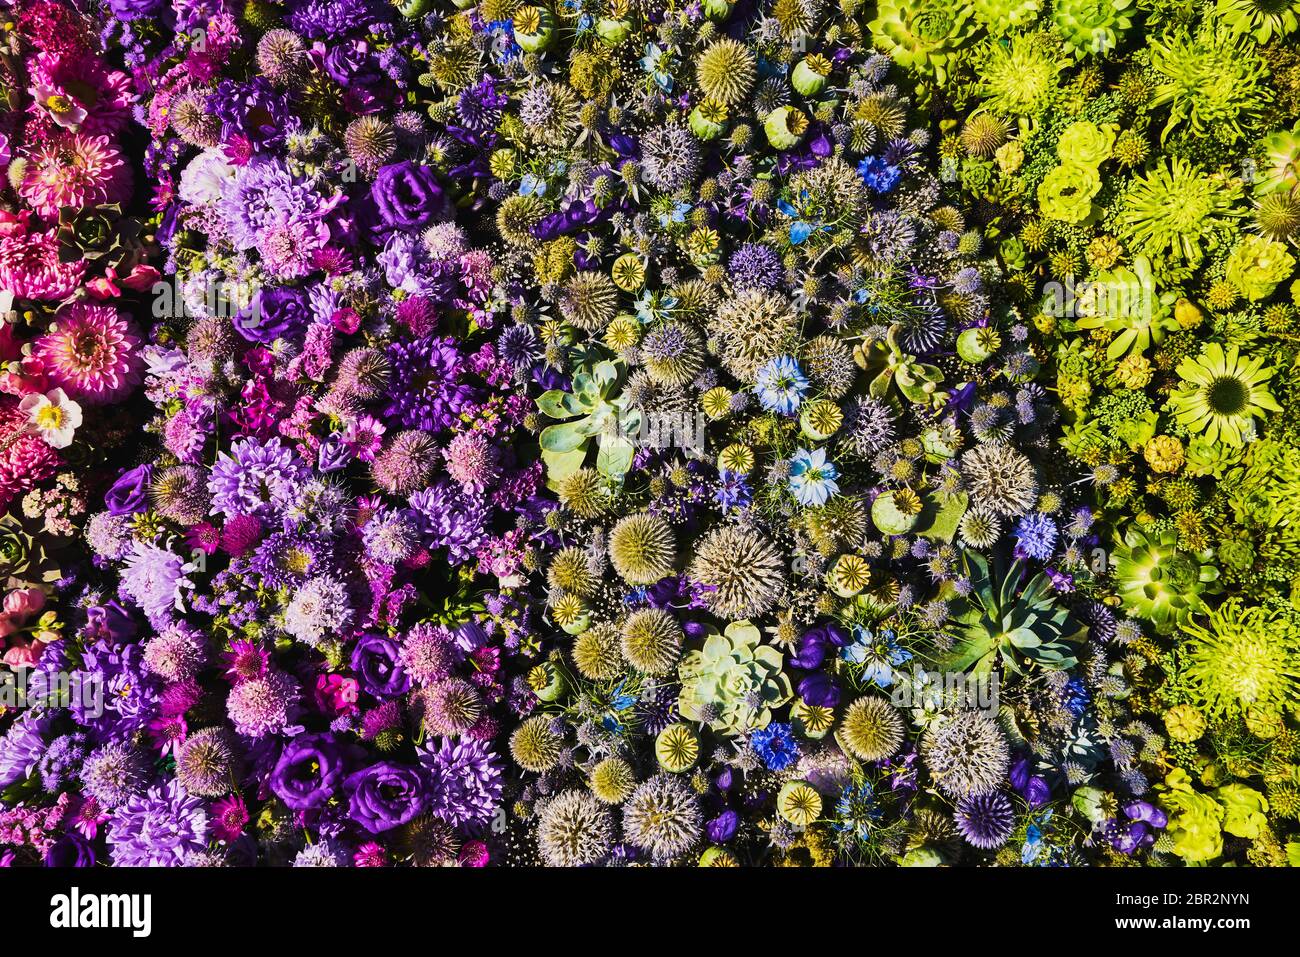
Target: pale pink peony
pixel 93 353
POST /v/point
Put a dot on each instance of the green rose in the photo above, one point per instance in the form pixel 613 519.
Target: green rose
pixel 1258 265
pixel 1086 144
pixel 1066 193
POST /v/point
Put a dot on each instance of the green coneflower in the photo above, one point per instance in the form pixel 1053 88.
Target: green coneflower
pixel 1222 392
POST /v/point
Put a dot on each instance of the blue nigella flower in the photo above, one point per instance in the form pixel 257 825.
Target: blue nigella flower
pixel 812 478
pixel 781 385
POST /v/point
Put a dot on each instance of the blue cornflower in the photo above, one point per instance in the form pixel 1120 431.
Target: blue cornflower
pixel 812 478
pixel 1036 536
pixel 781 385
pixel 775 744
pixel 878 175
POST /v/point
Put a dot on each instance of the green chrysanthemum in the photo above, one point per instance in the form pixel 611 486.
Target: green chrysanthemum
pixel 1222 392
pixel 1212 81
pixel 1018 77
pixel 1243 659
pixel 1178 212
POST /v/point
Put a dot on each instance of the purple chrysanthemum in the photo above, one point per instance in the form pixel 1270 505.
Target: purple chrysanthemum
pixel 158 829
pixel 22 746
pixel 465 780
pixel 452 519
pixel 112 693
pixel 424 391
pixel 256 478
pixel 985 820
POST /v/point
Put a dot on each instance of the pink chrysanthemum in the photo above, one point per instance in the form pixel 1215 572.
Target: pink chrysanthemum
pixel 25 458
pixel 77 172
pixel 30 267
pixel 93 353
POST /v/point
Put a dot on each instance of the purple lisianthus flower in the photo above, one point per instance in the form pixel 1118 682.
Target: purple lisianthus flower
pixel 819 690
pixel 277 313
pixel 375 660
pixel 385 795
pixel 407 197
pixel 723 827
pixel 354 67
pixel 309 771
pixel 128 10
pixel 70 850
pixel 130 492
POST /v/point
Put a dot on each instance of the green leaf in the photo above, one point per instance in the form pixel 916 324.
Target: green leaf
pixel 564 438
pixel 615 456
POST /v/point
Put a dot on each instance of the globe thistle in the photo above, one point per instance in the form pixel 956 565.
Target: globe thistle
pixel 407 463
pixel 966 753
pixel 570 571
pixel 452 706
pixel 868 427
pixel 193 121
pixel 672 353
pixel 598 652
pixel 980 528
pixel 662 817
pixel 983 134
pixel 516 217
pixel 574 830
pixel 873 729
pixel 205 763
pixel 363 373
pixel 829 364
pixel 642 549
pixel 726 72
pixel 985 820
pixel 589 300
pixel 282 57
pixel 181 494
pixel 670 157
pixel 752 328
pixel 585 493
pixel 1278 216
pixel 114 773
pixel 651 640
pixel 745 571
pixel 612 780
pixel 370 142
pixel 536 745
pixel 1000 479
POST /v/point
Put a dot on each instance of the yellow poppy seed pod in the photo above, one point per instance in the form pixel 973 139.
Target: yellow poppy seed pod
pixel 799 803
pixel 677 748
pixel 737 458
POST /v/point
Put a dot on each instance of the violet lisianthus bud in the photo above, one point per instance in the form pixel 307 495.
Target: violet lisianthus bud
pixel 273 314
pixel 130 492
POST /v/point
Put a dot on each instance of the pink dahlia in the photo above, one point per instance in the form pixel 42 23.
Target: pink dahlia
pixel 93 352
pixel 75 171
pixel 26 459
pixel 30 267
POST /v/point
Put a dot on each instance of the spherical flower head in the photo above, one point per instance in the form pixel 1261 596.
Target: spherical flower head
pixel 407 463
pixel 574 830
pixel 258 478
pixel 966 753
pixel 780 385
pixel 75 172
pixel 324 853
pixel 985 820
pixel 262 706
pixel 205 763
pixel 662 817
pixel 429 653
pixel 812 478
pixel 465 780
pixel 472 460
pixel 1000 479
pixel 756 266
pixel 114 773
pixel 176 653
pixel 93 353
pixel 743 572
pixel 159 828
pixel 1036 536
pixel 320 609
pixel 670 157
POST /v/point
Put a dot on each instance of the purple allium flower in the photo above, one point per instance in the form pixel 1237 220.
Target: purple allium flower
pixel 310 769
pixel 385 795
pixel 376 663
pixel 985 820
pixel 261 706
pixel 1036 536
pixel 464 780
pixel 155 578
pixel 256 478
pixel 158 829
pixel 115 773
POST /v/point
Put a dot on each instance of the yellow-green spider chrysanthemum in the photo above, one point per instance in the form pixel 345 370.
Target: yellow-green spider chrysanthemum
pixel 1221 392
